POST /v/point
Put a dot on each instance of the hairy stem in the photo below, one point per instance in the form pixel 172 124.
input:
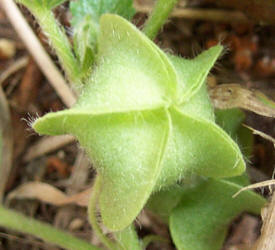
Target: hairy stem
pixel 158 17
pixel 128 238
pixel 92 214
pixel 58 40
pixel 15 221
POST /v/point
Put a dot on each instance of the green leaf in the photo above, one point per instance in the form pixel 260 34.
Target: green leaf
pixel 191 150
pixel 129 170
pixel 230 120
pixel 199 105
pixel 138 134
pixel 130 73
pixel 85 23
pixel 48 4
pixel 201 220
pixel 96 8
pixel 126 149
pixel 200 215
pixel 54 3
pixel 245 139
pixel 20 223
pixel 193 73
pixel 163 202
pixel 85 44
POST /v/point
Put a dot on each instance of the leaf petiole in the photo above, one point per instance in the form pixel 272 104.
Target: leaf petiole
pixel 92 214
pixel 57 38
pixel 158 17
pixel 16 221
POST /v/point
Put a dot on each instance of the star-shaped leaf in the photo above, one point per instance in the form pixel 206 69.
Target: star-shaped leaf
pixel 144 121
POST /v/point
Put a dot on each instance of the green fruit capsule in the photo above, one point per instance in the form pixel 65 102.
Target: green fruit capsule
pixel 145 120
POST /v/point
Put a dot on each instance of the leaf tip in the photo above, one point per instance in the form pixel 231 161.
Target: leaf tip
pixel 52 123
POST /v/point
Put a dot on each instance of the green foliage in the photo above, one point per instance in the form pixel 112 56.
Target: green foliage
pixel 128 239
pixel 18 222
pixel 163 202
pixel 47 4
pixel 42 10
pixel 199 216
pixel 146 121
pixel 230 120
pixel 158 17
pixel 85 43
pixel 96 8
pixel 85 23
pixel 53 3
pixel 200 221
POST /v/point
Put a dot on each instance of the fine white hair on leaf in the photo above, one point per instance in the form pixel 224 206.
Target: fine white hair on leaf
pixel 169 51
pixel 138 221
pixel 29 121
pixel 236 163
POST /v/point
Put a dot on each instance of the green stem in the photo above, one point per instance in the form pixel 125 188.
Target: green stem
pixel 15 221
pixel 128 239
pixel 153 238
pixel 158 17
pixel 92 214
pixel 58 40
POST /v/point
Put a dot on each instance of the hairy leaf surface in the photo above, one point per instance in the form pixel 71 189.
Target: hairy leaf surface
pixel 200 210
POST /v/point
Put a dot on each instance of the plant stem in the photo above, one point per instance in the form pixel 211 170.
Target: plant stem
pixel 158 17
pixel 15 221
pixel 92 214
pixel 128 238
pixel 43 60
pixel 61 44
pixel 153 238
pixel 58 40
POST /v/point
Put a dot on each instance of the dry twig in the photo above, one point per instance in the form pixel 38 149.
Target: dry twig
pixel 201 14
pixel 267 239
pixel 47 145
pixel 6 148
pixel 255 185
pixel 38 52
pixel 48 194
pixel 231 95
pixel 15 66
